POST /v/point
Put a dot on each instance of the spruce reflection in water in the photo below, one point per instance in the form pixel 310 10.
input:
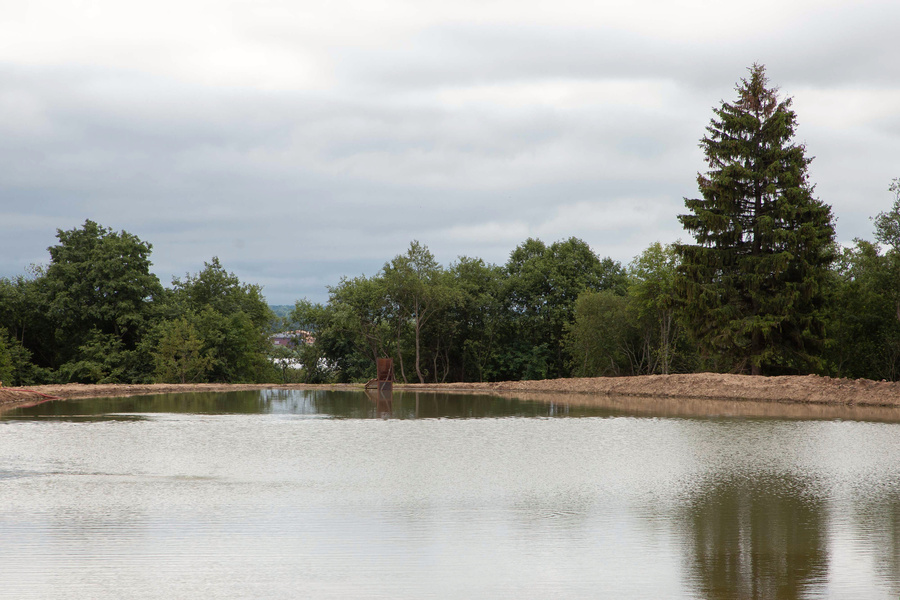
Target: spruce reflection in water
pixel 763 537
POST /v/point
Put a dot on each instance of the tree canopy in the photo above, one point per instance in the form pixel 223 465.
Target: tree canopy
pixel 752 285
pixel 96 313
pixel 94 299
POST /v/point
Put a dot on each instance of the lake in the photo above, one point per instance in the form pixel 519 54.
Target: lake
pixel 314 494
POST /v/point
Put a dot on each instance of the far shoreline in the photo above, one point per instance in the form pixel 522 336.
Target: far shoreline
pixel 809 390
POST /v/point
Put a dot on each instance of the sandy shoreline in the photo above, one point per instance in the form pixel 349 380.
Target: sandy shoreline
pixel 807 390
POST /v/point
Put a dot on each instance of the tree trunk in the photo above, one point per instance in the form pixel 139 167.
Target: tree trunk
pixel 664 342
pixel 400 357
pixel 756 346
pixel 434 361
pixel 418 369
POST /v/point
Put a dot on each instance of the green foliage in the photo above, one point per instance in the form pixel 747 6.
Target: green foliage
pixel 543 283
pixel 229 320
pixel 18 315
pixel 98 285
pixel 180 356
pixel 19 306
pixel 83 317
pixel 215 288
pixel 863 322
pixel 96 314
pixel 635 333
pixel 601 336
pixel 287 361
pixel 416 291
pixel 6 362
pixel 354 329
pixel 476 320
pixel 20 368
pixel 404 312
pixel 752 285
pixel 887 232
pixel 652 291
pixel 282 311
pixel 100 359
pixel 473 321
pixel 887 223
pixel 315 368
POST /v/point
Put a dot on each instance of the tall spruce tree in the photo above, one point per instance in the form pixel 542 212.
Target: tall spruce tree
pixel 752 285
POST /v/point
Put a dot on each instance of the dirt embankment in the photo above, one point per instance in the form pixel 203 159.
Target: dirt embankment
pixel 810 389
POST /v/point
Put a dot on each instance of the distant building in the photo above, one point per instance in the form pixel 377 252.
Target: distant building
pixel 290 339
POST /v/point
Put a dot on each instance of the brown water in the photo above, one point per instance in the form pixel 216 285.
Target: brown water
pixel 335 495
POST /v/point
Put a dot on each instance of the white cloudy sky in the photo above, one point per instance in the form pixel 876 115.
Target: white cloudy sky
pixel 300 141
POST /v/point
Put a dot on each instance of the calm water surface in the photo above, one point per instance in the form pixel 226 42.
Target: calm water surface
pixel 291 494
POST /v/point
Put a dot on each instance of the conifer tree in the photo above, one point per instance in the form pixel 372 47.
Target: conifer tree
pixel 752 285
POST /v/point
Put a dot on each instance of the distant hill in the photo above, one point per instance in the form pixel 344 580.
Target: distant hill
pixel 282 310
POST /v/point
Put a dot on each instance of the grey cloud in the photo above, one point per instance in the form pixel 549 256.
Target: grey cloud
pixel 293 189
pixel 847 45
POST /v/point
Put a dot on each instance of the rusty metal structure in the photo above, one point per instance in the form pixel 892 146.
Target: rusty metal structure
pixel 384 381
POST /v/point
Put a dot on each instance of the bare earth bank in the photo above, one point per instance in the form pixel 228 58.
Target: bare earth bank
pixel 810 389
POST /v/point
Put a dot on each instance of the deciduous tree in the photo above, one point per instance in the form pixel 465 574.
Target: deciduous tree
pixel 887 232
pixel 601 338
pixel 180 357
pixel 231 320
pixel 652 292
pixel 414 284
pixel 543 283
pixel 96 294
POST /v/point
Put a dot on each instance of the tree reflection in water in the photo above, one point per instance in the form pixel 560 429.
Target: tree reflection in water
pixel 756 537
pixel 876 519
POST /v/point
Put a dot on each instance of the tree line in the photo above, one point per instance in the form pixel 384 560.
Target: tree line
pixel 763 289
pixel 96 314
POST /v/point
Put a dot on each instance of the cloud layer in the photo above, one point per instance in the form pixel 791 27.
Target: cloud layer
pixel 300 142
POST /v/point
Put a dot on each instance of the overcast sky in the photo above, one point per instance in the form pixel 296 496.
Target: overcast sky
pixel 302 141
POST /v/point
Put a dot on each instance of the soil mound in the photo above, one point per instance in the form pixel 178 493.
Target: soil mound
pixel 17 396
pixel 811 389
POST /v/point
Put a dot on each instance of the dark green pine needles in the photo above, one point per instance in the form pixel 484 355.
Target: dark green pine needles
pixel 752 285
